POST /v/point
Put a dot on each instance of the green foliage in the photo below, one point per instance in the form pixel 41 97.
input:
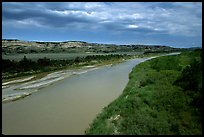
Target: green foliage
pixel 11 69
pixel 152 104
pixel 169 63
pixel 191 76
pixel 190 81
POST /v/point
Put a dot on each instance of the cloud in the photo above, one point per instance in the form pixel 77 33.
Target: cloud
pixel 152 18
pixel 132 26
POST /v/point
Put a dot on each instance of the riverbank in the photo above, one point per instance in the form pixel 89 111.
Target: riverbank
pixel 43 79
pixel 157 99
pixel 44 66
pixel 25 86
pixel 39 74
pixel 92 90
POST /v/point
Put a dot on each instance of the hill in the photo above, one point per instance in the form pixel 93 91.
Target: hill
pixel 15 46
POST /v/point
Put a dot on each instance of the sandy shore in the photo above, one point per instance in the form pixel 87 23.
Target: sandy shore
pixel 13 97
pixel 17 81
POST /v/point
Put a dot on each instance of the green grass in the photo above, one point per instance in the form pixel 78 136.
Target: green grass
pixel 154 102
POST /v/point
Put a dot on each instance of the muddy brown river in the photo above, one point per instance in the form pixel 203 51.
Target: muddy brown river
pixel 66 106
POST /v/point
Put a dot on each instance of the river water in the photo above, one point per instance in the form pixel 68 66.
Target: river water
pixel 69 105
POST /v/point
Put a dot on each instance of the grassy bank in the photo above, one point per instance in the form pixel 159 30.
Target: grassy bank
pixel 163 96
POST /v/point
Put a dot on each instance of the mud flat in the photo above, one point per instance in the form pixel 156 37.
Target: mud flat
pixel 21 87
pixel 14 97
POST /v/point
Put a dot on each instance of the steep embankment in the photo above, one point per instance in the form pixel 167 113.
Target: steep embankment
pixel 163 96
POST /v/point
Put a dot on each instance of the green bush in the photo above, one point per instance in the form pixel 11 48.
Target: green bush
pixel 158 99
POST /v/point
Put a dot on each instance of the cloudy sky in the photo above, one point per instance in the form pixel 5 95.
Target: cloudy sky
pixel 171 24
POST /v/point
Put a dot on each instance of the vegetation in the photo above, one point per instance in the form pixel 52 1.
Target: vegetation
pixel 72 54
pixel 17 46
pixel 163 96
pixel 12 69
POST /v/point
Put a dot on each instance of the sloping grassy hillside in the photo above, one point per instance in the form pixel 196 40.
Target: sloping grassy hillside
pixel 163 96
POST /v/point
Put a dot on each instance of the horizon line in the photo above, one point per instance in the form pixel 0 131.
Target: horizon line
pixel 97 43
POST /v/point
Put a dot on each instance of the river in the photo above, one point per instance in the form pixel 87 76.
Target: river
pixel 67 106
